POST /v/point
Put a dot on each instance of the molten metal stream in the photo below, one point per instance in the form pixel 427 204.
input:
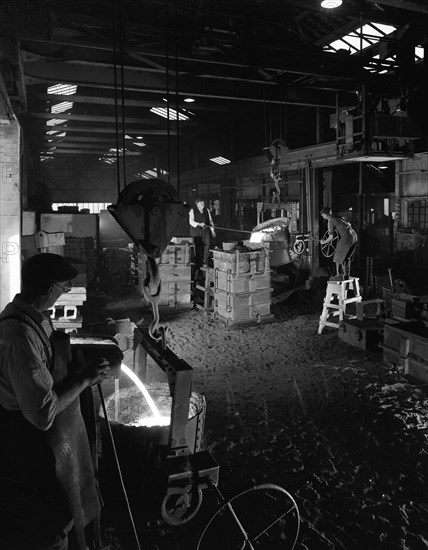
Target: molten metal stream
pixel 157 418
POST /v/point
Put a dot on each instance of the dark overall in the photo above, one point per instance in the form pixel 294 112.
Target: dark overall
pixel 47 479
pixel 202 236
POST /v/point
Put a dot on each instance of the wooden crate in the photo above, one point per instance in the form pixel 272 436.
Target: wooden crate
pixel 406 307
pixel 175 293
pixel 249 282
pixel 177 254
pixel 416 368
pixel 408 338
pixel 235 262
pixel 362 334
pixel 175 272
pixel 243 306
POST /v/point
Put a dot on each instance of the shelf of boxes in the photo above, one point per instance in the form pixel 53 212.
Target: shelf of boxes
pixel 242 291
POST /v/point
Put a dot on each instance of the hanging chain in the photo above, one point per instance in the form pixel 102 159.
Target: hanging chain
pixel 151 290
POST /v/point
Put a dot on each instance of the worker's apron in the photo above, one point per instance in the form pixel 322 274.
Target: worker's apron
pixel 59 457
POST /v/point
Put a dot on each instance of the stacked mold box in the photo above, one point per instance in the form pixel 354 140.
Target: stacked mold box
pixel 406 345
pixel 66 314
pixel 175 273
pixel 242 291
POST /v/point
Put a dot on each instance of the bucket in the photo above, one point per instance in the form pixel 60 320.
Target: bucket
pixel 142 450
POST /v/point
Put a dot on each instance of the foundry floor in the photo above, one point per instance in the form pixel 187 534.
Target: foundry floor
pixel 342 431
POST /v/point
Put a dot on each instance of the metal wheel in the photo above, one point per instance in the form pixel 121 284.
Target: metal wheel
pixel 180 507
pixel 329 249
pixel 299 246
pixel 261 518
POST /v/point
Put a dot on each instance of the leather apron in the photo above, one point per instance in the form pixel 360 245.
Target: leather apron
pixel 53 468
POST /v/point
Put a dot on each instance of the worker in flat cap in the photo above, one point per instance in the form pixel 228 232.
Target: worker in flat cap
pixel 202 230
pixel 346 244
pixel 47 483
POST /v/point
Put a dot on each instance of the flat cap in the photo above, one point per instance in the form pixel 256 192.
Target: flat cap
pixel 47 267
pixel 325 210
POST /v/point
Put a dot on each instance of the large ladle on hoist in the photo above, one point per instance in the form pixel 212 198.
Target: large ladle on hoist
pixel 149 211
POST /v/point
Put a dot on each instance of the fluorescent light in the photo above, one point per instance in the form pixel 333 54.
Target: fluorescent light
pixel 55 121
pixel 189 100
pixel 168 113
pixel 139 143
pixel 220 160
pixel 331 4
pixel 62 89
pixel 61 107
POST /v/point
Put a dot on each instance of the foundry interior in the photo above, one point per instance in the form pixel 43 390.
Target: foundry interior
pixel 258 398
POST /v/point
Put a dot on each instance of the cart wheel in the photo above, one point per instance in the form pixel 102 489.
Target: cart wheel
pixel 329 249
pixel 262 518
pixel 178 508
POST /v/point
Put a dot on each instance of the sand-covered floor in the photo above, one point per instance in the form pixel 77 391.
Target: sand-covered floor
pixel 343 432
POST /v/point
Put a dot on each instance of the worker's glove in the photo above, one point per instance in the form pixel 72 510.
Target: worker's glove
pixel 95 371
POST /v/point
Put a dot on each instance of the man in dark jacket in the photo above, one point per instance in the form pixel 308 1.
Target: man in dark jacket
pixel 47 481
pixel 202 230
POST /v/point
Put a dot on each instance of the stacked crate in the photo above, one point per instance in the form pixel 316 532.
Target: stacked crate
pixel 175 271
pixel 66 314
pixel 242 291
pixel 405 344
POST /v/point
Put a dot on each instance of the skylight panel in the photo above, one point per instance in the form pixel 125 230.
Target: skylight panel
pixel 46 156
pixel 386 29
pixel 55 121
pixel 339 45
pixel 357 42
pixel 163 112
pixel 61 107
pixel 362 37
pixel 62 89
pixel 220 160
pixel 371 30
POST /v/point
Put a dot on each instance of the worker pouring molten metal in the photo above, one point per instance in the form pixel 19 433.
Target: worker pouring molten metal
pixel 47 485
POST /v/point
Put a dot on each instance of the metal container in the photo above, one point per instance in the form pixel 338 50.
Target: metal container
pixel 142 451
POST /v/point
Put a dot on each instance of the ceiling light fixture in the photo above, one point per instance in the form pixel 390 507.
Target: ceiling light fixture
pixel 189 100
pixel 220 160
pixel 330 4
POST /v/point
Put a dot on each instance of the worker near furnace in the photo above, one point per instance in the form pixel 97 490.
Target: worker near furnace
pixel 202 230
pixel 47 481
pixel 347 242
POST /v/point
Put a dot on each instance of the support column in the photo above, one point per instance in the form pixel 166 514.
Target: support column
pixel 10 210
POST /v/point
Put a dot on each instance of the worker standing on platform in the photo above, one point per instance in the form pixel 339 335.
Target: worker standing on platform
pixel 202 230
pixel 346 245
pixel 47 480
